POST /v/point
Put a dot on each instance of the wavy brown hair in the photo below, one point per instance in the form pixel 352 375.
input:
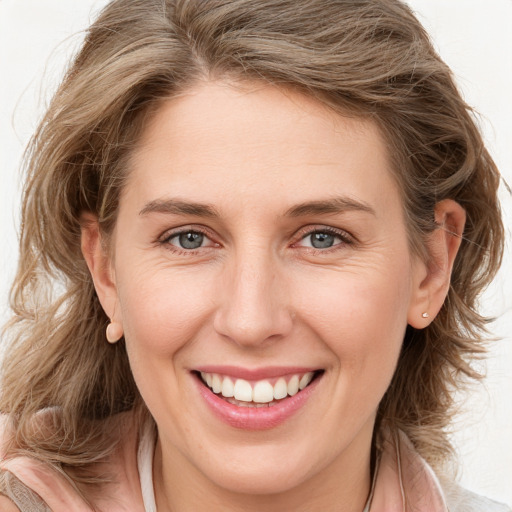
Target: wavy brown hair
pixel 364 58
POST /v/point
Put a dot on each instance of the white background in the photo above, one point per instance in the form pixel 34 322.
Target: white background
pixel 475 39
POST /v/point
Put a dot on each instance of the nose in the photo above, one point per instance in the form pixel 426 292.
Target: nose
pixel 253 307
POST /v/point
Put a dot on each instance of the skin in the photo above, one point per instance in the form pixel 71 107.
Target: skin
pixel 257 293
pixel 6 505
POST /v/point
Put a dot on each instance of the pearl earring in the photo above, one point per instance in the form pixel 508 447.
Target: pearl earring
pixel 425 315
pixel 114 332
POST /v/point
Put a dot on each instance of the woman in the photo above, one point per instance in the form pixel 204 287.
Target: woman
pixel 271 232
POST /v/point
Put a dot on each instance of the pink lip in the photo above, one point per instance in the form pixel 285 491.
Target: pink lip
pixel 255 374
pixel 254 418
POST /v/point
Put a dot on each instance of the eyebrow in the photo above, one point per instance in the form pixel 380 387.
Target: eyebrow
pixel 324 207
pixel 179 207
pixel 329 206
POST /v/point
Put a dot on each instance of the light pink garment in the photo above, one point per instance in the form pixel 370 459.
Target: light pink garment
pixel 57 492
pixel 404 481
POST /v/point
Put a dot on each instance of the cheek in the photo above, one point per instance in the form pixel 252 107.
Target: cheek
pixel 361 315
pixel 163 313
pixel 361 318
pixel 162 310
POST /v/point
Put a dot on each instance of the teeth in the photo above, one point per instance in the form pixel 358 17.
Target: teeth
pixel 216 383
pixel 280 389
pixel 262 394
pixel 243 391
pixel 207 377
pixel 249 404
pixel 305 380
pixel 293 385
pixel 228 388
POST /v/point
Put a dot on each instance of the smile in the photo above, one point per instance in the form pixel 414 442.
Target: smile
pixel 261 393
pixel 256 400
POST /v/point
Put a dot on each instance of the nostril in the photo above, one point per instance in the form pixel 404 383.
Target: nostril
pixel 254 314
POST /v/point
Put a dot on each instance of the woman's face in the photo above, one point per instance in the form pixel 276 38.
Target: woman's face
pixel 261 239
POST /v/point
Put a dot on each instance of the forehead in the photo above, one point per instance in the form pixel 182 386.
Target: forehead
pixel 220 139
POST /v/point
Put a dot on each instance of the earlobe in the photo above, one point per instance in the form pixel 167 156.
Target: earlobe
pixel 99 264
pixel 433 277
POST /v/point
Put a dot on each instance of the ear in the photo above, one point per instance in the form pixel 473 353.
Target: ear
pixel 100 265
pixel 432 277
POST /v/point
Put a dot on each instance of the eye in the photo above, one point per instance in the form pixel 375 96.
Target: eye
pixel 324 239
pixel 321 240
pixel 188 240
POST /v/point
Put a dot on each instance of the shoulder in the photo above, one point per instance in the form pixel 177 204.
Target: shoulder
pixel 6 505
pixel 428 491
pixel 28 483
pixel 459 499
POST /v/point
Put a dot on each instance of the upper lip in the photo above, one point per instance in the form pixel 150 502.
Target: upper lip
pixel 267 372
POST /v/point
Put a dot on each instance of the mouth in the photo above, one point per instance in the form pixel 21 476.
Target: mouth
pixel 253 403
pixel 257 393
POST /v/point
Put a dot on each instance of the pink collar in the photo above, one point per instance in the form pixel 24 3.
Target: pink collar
pixel 404 480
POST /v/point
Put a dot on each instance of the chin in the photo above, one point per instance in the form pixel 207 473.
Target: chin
pixel 258 481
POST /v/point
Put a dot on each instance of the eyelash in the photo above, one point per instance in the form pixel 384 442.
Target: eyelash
pixel 345 239
pixel 165 239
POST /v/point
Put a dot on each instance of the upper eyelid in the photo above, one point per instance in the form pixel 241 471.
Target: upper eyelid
pixel 300 234
pixel 308 230
pixel 164 241
pixel 172 232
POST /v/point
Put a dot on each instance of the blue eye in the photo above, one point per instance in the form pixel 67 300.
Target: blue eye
pixel 322 240
pixel 188 240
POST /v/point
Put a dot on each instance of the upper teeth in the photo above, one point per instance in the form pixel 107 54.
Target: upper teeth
pixel 261 391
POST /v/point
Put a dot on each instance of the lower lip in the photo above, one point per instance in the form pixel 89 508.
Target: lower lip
pixel 255 418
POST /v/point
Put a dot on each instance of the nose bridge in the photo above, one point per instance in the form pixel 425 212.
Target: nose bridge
pixel 254 304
